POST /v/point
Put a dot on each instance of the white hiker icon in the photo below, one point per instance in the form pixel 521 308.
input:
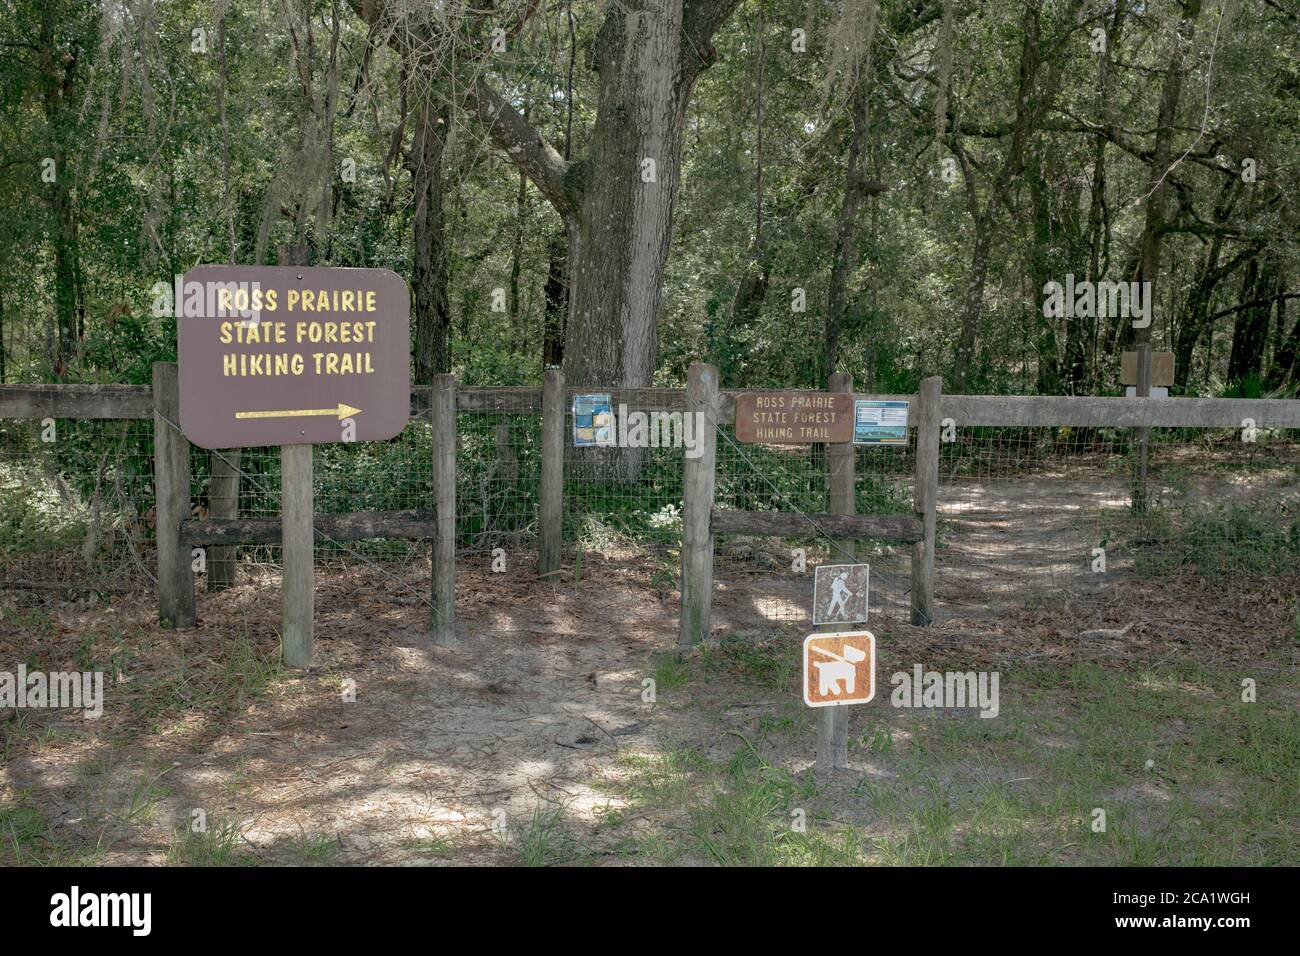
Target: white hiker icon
pixel 840 593
pixel 839 670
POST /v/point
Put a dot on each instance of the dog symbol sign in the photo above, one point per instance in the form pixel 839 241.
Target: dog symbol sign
pixel 839 668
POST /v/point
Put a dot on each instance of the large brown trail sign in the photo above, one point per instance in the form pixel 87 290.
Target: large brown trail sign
pixel 274 355
pixel 293 356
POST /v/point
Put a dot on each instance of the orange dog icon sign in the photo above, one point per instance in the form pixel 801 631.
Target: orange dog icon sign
pixel 839 668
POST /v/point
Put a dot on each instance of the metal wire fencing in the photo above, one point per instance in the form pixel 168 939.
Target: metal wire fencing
pixel 763 580
pixel 76 514
pixel 1026 515
pixel 1032 515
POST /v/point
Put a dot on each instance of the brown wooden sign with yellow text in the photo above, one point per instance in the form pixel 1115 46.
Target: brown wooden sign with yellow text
pixel 793 418
pixel 273 355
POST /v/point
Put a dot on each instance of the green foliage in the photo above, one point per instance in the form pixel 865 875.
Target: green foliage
pixel 1237 538
pixel 33 515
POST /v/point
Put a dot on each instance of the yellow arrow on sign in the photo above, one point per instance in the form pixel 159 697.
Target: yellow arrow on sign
pixel 343 411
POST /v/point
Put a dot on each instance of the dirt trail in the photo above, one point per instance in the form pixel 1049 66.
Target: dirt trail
pixel 529 710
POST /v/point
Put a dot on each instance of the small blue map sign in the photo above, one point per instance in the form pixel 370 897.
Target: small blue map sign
pixel 593 421
pixel 879 423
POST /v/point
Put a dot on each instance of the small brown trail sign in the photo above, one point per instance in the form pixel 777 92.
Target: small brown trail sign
pixel 282 355
pixel 839 668
pixel 1162 369
pixel 792 418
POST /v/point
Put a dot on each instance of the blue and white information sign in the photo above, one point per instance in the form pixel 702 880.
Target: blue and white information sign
pixel 593 421
pixel 879 423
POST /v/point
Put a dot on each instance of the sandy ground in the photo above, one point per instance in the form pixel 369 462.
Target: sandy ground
pixel 540 694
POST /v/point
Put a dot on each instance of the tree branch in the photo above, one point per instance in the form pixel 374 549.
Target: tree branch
pixel 509 131
pixel 537 159
pixel 700 20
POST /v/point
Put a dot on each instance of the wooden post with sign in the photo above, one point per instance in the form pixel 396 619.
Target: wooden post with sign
pixel 833 722
pixel 926 497
pixel 297 554
pixel 833 726
pixel 552 492
pixel 698 482
pixel 292 356
pixel 442 413
pixel 171 478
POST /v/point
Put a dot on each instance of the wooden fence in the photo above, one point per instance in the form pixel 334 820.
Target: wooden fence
pixel 177 533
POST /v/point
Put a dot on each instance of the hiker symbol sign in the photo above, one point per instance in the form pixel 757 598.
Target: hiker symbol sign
pixel 840 593
pixel 839 668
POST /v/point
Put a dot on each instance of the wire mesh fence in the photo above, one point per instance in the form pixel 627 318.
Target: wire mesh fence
pixel 1027 515
pixel 1034 514
pixel 768 580
pixel 76 510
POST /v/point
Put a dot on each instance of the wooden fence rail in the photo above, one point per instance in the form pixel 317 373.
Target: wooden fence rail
pixel 440 403
pixel 135 402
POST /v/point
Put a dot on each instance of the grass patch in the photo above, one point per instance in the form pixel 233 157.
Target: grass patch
pixel 431 844
pixel 26 839
pixel 318 849
pixel 742 812
pixel 1187 774
pixel 1221 541
pixel 543 840
pixel 221 844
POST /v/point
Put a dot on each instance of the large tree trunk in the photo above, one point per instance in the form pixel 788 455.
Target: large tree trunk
pixel 618 201
pixel 430 264
pixel 556 294
pixel 628 193
pixel 57 72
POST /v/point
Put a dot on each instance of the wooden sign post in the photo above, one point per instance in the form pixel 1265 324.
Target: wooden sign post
pixel 841 467
pixel 297 550
pixel 293 356
pixel 839 669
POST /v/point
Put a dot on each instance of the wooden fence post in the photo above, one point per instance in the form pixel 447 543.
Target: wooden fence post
pixel 442 413
pixel 552 492
pixel 833 722
pixel 297 554
pixel 171 480
pixel 698 480
pixel 926 497
pixel 1139 499
pixel 223 502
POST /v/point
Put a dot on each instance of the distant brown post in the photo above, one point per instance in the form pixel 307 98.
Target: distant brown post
pixel 552 493
pixel 171 478
pixel 1139 503
pixel 442 413
pixel 926 497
